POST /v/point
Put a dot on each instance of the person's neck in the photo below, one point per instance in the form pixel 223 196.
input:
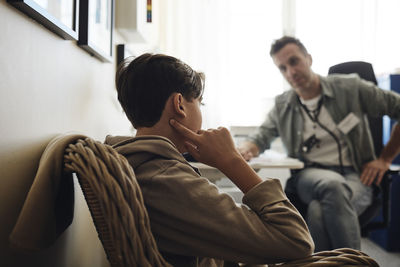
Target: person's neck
pixel 313 90
pixel 164 131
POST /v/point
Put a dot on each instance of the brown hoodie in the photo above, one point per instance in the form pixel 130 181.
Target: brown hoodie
pixel 192 221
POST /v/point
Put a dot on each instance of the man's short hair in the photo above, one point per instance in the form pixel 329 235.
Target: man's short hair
pixel 145 83
pixel 281 42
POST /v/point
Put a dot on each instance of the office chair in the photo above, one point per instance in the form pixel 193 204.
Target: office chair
pixel 382 193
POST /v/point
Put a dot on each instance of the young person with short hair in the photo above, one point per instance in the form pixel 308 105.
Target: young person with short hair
pixel 194 223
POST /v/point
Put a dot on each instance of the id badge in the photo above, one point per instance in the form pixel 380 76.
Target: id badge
pixel 348 123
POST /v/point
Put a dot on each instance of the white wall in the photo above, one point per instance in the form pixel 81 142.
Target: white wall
pixel 48 86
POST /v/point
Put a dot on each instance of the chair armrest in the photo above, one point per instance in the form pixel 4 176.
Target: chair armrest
pixel 394 169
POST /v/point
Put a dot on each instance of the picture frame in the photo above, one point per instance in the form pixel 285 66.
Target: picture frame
pixel 122 53
pixel 96 26
pixel 60 17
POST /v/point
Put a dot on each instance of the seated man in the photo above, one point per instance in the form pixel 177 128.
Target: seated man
pixel 195 224
pixel 321 122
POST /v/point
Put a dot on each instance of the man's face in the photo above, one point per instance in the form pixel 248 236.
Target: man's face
pixel 295 66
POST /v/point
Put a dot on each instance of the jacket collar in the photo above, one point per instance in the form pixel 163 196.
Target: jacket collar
pixel 145 148
pixel 326 92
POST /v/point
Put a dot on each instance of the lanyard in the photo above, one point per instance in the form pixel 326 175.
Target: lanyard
pixel 314 119
pixel 312 114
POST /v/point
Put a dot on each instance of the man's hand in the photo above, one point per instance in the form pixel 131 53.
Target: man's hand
pixel 374 171
pixel 248 150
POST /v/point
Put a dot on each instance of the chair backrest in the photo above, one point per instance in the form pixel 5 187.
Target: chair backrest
pixel 363 69
pixel 116 204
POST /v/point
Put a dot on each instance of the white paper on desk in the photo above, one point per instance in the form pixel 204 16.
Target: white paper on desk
pixel 271 155
pixel 271 158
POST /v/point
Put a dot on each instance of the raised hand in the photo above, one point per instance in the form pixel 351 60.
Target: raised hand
pixel 214 147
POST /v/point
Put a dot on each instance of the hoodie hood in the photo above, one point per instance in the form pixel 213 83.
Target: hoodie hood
pixel 144 148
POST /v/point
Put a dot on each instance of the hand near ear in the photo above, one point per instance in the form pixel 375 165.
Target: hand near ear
pixel 214 147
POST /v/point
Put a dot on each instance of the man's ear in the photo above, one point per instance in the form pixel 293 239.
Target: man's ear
pixel 178 105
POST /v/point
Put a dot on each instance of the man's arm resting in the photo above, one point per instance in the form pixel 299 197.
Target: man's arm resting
pixel 374 170
pixel 392 148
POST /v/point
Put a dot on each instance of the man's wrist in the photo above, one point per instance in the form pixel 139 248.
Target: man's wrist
pixel 387 160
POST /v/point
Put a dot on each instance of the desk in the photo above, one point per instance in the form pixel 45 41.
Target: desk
pixel 264 161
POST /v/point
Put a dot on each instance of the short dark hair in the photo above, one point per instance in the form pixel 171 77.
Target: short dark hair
pixel 145 83
pixel 281 42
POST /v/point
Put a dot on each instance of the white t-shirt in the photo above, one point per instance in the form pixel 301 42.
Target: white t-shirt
pixel 325 151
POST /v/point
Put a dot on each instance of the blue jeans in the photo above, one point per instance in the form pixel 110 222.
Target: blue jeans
pixel 334 203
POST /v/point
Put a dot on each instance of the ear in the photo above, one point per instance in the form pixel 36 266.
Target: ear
pixel 178 105
pixel 310 59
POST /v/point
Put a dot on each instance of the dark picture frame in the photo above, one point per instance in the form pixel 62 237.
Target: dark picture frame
pixel 43 15
pixel 96 25
pixel 122 53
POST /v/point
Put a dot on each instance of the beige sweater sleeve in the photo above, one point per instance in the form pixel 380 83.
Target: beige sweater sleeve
pixel 189 216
